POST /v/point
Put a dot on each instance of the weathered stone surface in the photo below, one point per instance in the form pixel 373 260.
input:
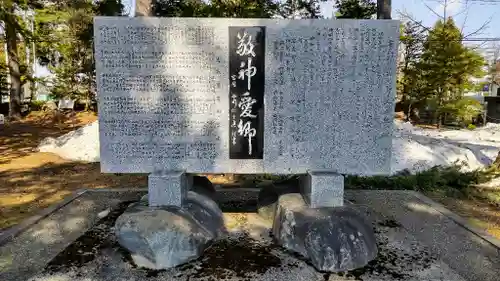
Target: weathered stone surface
pixel 167 236
pixel 269 195
pixel 161 238
pixel 333 239
pixel 164 237
pixel 50 105
pixel 167 188
pixel 202 208
pixel 323 189
pixel 206 212
pixel 329 103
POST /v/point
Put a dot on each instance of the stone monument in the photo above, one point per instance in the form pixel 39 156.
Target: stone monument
pixel 179 96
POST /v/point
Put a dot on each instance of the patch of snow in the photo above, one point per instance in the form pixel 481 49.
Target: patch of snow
pixel 80 145
pixel 418 149
pixel 413 148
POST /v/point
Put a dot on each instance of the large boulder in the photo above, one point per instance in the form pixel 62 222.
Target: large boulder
pixel 165 237
pixel 334 239
pixel 206 212
pixel 267 201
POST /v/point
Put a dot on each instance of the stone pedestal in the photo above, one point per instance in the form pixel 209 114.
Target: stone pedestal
pixel 168 188
pixel 177 228
pixel 323 189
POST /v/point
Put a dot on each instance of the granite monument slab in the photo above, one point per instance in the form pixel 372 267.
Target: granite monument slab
pixel 208 95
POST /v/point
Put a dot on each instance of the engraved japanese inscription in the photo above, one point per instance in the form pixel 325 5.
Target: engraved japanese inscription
pixel 245 95
pixel 330 91
pixel 160 91
pixel 246 92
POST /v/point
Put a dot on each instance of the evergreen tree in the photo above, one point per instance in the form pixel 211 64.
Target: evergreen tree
pixel 355 9
pixel 67 37
pixel 410 81
pixel 447 65
pixel 216 8
pixel 300 9
pixel 180 8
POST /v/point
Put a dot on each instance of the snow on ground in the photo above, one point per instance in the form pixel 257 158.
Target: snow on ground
pixel 414 148
pixel 81 144
pixel 419 149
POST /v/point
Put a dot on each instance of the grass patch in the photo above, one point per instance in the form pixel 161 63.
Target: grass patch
pixel 449 179
pixel 461 192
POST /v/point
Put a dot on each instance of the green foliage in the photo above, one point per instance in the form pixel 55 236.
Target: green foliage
pixel 67 48
pixel 410 82
pixel 447 64
pixel 242 8
pixel 179 8
pixel 464 109
pixel 355 9
pixel 436 178
pixel 305 9
pixel 37 105
pixel 13 27
pixel 436 71
pixel 471 127
pixel 237 8
pixel 216 8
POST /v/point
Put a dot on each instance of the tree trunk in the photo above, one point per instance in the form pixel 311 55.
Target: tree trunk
pixel 384 9
pixel 15 75
pixel 408 115
pixel 496 163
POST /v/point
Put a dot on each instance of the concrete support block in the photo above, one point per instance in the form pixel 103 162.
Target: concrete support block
pixel 167 188
pixel 323 189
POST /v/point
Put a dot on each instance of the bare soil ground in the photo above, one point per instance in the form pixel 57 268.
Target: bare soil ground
pixel 31 180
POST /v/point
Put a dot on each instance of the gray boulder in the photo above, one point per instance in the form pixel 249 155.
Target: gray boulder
pixel 206 212
pixel 333 239
pixel 267 201
pixel 165 237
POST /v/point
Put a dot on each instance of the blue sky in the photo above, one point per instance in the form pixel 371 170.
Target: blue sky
pixel 478 13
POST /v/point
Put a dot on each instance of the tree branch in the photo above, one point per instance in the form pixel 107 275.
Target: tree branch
pixel 477 31
pixel 464 10
pixel 466 16
pixel 430 9
pixel 408 16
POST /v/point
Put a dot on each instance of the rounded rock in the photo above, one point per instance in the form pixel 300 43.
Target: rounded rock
pixel 334 239
pixel 161 238
pixel 206 212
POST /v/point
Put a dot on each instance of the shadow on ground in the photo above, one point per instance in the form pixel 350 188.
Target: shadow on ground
pixel 20 138
pixel 25 191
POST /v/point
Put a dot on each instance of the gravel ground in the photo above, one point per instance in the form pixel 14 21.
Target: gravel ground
pixel 247 253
